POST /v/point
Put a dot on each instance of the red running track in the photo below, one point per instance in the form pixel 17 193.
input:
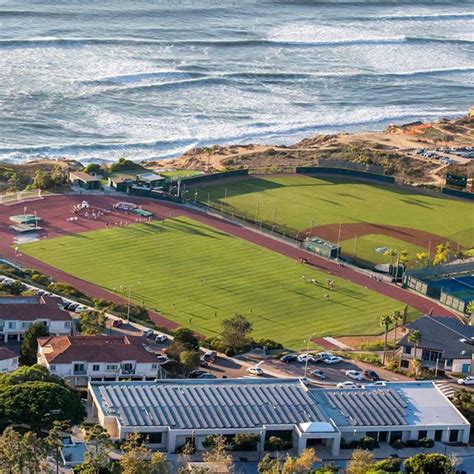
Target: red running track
pixel 56 210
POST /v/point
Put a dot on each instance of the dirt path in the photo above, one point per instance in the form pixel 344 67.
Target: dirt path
pixel 55 210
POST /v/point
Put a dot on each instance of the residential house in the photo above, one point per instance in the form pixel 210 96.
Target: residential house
pixel 8 360
pixel 18 313
pixel 446 344
pixel 80 359
pixel 171 413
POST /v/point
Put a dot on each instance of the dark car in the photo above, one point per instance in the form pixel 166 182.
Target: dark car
pixel 371 375
pixel 289 358
pixel 203 363
pixel 117 323
pixel 210 356
pixel 196 373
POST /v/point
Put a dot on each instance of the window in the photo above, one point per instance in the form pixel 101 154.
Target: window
pixel 52 368
pixel 25 325
pixel 154 438
pixel 67 324
pixel 154 366
pixel 111 367
pixel 438 435
pixel 404 363
pixel 79 369
pixel 11 324
pixel 422 434
pixel 431 356
pixel 453 436
pixel 407 350
pixel 96 368
pixel 449 362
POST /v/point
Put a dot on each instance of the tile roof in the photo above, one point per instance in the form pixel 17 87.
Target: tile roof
pixel 443 334
pixel 208 404
pixel 81 175
pixel 67 349
pixel 7 354
pixel 32 308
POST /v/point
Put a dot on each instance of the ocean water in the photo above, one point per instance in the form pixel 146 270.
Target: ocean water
pixel 145 79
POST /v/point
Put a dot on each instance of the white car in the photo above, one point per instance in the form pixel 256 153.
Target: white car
pixel 469 380
pixel 255 370
pixel 324 355
pixel 161 338
pixel 161 359
pixel 147 332
pixel 302 358
pixel 346 385
pixel 305 381
pixel 354 374
pixel 333 360
pixel 80 309
pixel 379 383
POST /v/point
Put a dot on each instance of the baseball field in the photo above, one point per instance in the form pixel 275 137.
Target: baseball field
pixel 197 275
pixel 366 218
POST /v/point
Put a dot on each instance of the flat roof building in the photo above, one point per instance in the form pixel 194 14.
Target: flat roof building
pixel 173 412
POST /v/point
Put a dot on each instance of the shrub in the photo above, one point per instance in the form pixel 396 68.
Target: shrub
pixel 391 464
pixel 426 443
pixel 210 441
pixel 270 344
pixel 397 444
pixel 245 442
pixel 65 289
pixel 123 165
pixel 274 443
pixel 434 463
pixel 412 443
pixel 367 443
pixel 229 352
pixel 40 278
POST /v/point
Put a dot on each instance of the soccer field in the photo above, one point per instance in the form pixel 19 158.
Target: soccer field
pixel 401 218
pixel 197 276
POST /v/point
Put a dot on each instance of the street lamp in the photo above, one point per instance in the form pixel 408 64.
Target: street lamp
pixel 307 350
pixel 129 297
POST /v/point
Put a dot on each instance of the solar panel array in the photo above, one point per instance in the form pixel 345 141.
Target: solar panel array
pixel 207 405
pixel 381 407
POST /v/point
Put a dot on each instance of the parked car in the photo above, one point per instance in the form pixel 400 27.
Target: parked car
pixel 371 375
pixel 255 370
pixel 117 323
pixel 469 380
pixel 346 385
pixel 333 360
pixel 303 358
pixel 379 383
pixel 306 381
pixel 161 359
pixel 210 356
pixel 197 373
pixel 319 374
pixel 147 333
pixel 207 375
pixel 80 309
pixel 354 375
pixel 289 358
pixel 203 363
pixel 161 338
pixel 324 355
pixel 72 307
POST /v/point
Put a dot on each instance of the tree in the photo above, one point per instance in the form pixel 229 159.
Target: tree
pixel 397 318
pixel 29 346
pixel 43 180
pixel 39 404
pixel 94 168
pixel 189 361
pixel 33 373
pixel 218 453
pixel 415 338
pixel 269 465
pixel 138 458
pixel 55 441
pixel 433 463
pixel 464 402
pixel 421 257
pixel 235 332
pixel 98 445
pixel 246 441
pixel 470 308
pixel 21 453
pixel 385 321
pixel 360 462
pixel 301 464
pixel 443 252
pixel 92 323
pixel 186 337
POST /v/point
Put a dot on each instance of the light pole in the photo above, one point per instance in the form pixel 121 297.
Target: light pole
pixel 307 355
pixel 129 287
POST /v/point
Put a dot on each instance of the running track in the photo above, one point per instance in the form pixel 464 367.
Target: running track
pixel 55 210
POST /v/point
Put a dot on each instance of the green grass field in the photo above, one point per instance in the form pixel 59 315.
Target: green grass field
pixel 197 276
pixel 299 202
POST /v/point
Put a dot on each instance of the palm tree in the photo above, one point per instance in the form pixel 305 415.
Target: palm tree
pixel 397 318
pixel 415 338
pixel 385 321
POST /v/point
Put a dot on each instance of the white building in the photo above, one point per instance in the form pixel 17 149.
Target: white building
pixel 173 412
pixel 18 313
pixel 8 360
pixel 80 359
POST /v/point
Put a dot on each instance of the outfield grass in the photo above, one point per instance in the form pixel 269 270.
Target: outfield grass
pixel 197 276
pixel 300 202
